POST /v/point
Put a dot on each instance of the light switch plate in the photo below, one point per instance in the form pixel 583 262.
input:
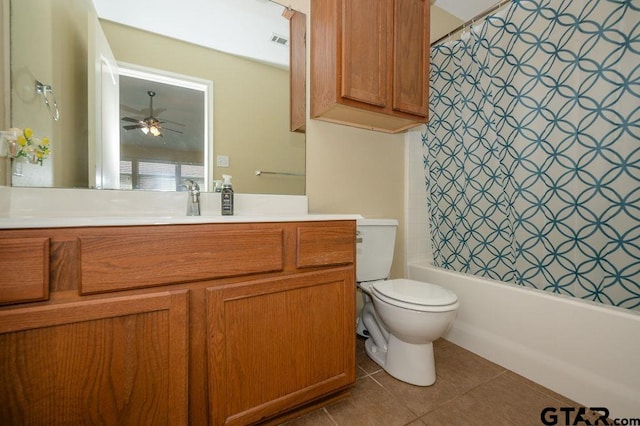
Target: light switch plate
pixel 222 160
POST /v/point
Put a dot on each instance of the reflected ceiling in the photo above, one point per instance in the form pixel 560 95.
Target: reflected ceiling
pixel 240 27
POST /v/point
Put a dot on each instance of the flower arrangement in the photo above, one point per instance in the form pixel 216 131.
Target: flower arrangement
pixel 32 149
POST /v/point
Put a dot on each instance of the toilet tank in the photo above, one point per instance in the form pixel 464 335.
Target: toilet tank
pixel 374 244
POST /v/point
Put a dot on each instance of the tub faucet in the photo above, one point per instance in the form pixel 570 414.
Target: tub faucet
pixel 193 199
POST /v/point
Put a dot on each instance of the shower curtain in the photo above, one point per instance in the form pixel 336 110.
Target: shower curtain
pixel 532 151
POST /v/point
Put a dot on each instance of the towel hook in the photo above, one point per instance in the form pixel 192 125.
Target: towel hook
pixel 47 92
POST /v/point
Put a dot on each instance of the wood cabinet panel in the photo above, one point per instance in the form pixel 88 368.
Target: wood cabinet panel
pixel 117 360
pixel 333 244
pixel 279 343
pixel 135 258
pixel 365 39
pixel 411 56
pixel 24 269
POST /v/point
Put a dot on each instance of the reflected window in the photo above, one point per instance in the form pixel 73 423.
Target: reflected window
pixel 158 176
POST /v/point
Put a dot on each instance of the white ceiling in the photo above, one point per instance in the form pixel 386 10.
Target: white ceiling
pixel 241 27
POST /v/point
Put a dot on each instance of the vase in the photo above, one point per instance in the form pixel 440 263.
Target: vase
pixel 17 165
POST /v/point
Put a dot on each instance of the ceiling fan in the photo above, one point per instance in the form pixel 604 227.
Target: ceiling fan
pixel 149 125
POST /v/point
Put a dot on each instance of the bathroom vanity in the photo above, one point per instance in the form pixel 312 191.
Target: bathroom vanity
pixel 205 323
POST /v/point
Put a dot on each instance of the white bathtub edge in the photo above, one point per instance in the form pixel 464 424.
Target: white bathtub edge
pixel 581 350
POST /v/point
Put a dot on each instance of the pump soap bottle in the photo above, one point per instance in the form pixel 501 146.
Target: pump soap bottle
pixel 227 196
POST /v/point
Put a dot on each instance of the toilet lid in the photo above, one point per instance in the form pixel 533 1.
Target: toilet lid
pixel 415 292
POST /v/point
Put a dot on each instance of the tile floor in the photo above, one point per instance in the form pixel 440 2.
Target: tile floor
pixel 469 390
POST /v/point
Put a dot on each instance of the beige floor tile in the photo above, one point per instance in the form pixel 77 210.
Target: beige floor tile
pixel 588 416
pixel 370 405
pixel 513 399
pixel 463 369
pixel 568 402
pixel 465 411
pixel 441 343
pixel 419 399
pixel 315 418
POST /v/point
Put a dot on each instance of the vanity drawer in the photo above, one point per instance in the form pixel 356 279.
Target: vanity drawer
pixel 24 270
pixel 325 244
pixel 147 257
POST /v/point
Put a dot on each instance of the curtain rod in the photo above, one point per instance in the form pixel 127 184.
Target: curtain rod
pixel 471 21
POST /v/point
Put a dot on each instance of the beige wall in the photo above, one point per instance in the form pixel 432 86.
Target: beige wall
pixel 51 46
pixel 250 111
pixel 4 82
pixel 442 22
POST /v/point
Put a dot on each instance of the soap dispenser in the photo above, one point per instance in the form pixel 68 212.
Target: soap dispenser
pixel 227 196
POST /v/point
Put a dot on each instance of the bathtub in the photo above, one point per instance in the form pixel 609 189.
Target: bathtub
pixel 583 350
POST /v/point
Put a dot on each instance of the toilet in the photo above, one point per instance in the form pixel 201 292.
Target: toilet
pixel 400 318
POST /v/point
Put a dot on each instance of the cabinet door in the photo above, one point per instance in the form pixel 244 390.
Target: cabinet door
pixel 120 360
pixel 411 56
pixel 365 50
pixel 297 70
pixel 278 343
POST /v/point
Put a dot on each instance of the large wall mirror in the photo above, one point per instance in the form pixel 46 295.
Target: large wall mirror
pixel 245 60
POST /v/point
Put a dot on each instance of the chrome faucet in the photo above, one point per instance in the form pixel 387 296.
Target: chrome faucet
pixel 193 200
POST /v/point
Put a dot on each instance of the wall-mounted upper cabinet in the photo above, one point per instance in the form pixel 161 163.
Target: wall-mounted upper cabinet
pixel 297 69
pixel 370 63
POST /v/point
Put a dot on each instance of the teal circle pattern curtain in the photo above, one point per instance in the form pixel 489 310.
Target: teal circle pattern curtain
pixel 532 151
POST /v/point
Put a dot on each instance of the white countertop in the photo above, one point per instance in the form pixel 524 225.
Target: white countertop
pixel 22 208
pixel 67 222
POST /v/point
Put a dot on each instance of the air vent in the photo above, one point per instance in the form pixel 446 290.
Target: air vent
pixel 279 39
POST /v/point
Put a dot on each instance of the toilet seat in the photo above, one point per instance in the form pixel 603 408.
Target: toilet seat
pixel 415 295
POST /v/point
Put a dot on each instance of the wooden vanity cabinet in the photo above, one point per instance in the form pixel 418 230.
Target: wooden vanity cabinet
pixel 370 63
pixel 182 324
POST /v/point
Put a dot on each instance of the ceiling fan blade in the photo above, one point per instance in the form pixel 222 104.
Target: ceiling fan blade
pixel 131 110
pixel 133 120
pixel 173 130
pixel 133 126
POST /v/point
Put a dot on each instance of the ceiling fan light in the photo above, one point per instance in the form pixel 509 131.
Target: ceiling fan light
pixel 154 131
pixel 144 130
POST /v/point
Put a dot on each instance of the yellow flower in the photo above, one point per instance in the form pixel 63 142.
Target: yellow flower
pixel 33 149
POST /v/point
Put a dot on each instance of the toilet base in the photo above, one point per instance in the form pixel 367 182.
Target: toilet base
pixel 375 353
pixel 408 362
